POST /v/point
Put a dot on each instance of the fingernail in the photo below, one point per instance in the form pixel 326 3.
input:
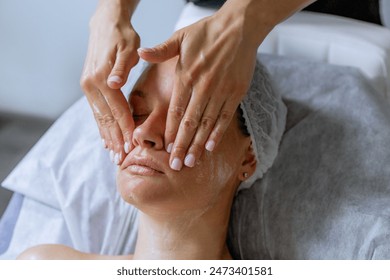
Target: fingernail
pixel 117 158
pixel 176 164
pixel 145 50
pixel 112 155
pixel 169 148
pixel 115 79
pixel 189 160
pixel 104 143
pixel 210 145
pixel 127 147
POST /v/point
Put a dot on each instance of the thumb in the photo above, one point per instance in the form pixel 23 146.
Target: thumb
pixel 161 52
pixel 119 73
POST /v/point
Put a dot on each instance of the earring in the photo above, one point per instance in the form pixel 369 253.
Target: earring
pixel 246 175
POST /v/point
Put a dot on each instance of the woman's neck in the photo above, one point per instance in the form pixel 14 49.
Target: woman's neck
pixel 191 235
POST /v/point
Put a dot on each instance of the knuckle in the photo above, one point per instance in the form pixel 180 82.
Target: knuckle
pixel 207 123
pixel 225 115
pixel 117 144
pixel 117 112
pixel 207 81
pixel 127 134
pixel 119 68
pixel 177 113
pixel 90 79
pixel 179 150
pixel 123 45
pixel 99 119
pixel 188 77
pixel 86 82
pixel 189 124
pixel 100 74
pixel 106 120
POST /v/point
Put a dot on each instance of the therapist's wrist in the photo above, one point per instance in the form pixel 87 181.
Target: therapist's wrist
pixel 130 5
pixel 113 12
pixel 248 24
pixel 121 8
pixel 259 17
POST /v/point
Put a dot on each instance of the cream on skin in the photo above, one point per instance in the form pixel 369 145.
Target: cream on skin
pixel 183 215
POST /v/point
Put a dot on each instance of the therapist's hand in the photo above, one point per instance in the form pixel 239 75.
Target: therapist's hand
pixel 216 63
pixel 112 52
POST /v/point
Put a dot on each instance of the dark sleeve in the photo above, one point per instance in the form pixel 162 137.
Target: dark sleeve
pixel 208 3
pixel 366 10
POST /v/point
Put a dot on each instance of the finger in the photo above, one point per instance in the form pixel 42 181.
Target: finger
pixel 163 51
pixel 103 116
pixel 205 127
pixel 111 130
pixel 224 118
pixel 117 153
pixel 109 120
pixel 121 113
pixel 98 105
pixel 104 132
pixel 125 60
pixel 188 127
pixel 181 95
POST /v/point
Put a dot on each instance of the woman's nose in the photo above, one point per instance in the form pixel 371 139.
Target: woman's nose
pixel 150 134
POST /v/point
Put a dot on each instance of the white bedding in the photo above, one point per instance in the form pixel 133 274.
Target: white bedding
pixel 70 192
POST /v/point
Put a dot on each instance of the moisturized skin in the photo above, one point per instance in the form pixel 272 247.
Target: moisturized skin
pixel 184 215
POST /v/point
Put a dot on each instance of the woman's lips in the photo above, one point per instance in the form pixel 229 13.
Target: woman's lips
pixel 142 170
pixel 142 165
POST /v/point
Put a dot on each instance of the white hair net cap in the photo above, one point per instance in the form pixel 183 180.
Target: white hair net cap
pixel 265 118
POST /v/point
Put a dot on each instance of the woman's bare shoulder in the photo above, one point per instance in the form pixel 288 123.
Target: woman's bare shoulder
pixel 62 252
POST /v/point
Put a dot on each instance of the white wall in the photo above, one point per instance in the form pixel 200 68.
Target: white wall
pixel 43 44
pixel 385 12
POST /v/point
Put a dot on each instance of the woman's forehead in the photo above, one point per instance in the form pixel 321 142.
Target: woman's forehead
pixel 156 81
pixel 160 73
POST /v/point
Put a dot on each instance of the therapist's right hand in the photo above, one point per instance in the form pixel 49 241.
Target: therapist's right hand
pixel 112 52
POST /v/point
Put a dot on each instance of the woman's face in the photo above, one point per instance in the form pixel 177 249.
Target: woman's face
pixel 145 178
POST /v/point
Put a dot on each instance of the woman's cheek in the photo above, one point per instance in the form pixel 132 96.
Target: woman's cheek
pixel 216 172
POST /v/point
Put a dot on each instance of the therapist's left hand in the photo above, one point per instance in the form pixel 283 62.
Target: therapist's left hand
pixel 216 63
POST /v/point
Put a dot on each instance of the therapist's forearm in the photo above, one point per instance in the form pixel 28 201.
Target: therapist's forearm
pixel 261 16
pixel 127 7
pixel 131 5
pixel 275 11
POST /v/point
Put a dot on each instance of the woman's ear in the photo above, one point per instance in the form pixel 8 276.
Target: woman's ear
pixel 248 165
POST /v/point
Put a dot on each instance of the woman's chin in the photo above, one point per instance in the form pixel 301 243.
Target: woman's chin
pixel 140 189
